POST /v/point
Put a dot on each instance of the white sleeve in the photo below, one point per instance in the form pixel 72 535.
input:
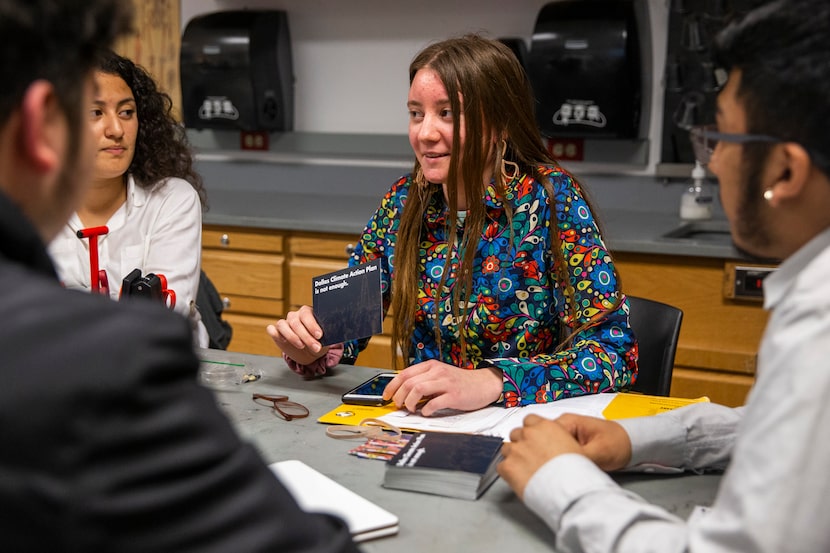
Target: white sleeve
pixel 174 245
pixel 589 512
pixel 694 437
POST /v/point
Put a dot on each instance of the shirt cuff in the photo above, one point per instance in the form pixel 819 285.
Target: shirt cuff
pixel 657 443
pixel 560 483
pixel 320 366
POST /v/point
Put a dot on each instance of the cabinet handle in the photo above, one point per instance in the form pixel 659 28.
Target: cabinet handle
pixel 225 240
pixel 226 302
pixel 349 249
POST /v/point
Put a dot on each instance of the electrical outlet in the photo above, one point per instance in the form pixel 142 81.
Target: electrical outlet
pixel 746 282
pixel 253 140
pixel 567 149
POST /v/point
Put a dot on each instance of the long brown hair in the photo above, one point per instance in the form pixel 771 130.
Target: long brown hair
pixel 497 106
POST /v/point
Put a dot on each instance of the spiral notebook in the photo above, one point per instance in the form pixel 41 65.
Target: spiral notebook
pixel 317 493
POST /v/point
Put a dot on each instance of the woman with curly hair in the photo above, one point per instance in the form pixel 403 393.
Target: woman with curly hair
pixel 145 191
pixel 492 258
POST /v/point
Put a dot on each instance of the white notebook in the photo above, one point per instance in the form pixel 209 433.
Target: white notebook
pixel 316 492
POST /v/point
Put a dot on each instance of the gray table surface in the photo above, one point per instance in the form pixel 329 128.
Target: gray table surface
pixel 497 521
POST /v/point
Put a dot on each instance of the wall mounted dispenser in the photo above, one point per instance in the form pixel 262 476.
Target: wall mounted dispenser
pixel 236 71
pixel 584 64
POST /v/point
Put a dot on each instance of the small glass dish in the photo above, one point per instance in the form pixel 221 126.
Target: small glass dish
pixel 221 375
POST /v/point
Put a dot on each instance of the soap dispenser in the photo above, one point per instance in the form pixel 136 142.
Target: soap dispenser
pixel 697 201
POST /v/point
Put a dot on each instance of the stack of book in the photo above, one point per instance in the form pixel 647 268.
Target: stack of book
pixel 441 463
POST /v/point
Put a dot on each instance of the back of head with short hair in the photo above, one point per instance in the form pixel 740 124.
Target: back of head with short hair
pixel 55 40
pixel 782 50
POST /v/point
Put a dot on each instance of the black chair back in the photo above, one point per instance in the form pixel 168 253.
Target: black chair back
pixel 657 327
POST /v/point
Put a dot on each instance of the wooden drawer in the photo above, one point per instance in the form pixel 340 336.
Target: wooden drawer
pixel 332 246
pixel 242 239
pixel 247 267
pixel 249 335
pixel 253 305
pixel 245 273
pixel 724 388
pixel 301 273
pixel 377 354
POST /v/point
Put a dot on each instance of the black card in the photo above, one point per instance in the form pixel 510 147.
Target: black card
pixel 348 303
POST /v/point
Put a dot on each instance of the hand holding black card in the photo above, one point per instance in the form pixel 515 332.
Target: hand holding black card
pixel 348 303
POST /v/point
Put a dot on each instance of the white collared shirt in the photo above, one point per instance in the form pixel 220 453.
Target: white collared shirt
pixel 157 230
pixel 775 493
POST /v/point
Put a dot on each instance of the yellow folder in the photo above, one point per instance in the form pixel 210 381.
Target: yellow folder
pixel 627 405
pixel 353 414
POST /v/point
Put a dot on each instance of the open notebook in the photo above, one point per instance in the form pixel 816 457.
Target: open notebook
pixel 316 492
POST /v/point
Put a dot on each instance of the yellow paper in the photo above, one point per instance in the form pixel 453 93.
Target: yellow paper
pixel 627 405
pixel 353 414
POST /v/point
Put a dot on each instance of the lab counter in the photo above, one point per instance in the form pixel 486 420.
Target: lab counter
pixel 339 195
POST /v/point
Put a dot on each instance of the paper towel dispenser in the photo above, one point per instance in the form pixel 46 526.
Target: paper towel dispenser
pixel 585 67
pixel 236 71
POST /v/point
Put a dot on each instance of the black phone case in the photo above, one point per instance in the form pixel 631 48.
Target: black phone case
pixel 357 397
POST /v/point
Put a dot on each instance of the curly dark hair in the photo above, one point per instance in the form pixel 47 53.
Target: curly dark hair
pixel 162 149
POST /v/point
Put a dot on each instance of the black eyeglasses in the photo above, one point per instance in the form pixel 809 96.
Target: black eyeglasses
pixel 288 410
pixel 705 139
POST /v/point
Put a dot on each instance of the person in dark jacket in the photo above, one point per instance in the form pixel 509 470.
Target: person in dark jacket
pixel 107 442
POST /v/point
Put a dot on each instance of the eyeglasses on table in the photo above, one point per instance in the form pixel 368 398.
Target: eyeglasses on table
pixel 282 406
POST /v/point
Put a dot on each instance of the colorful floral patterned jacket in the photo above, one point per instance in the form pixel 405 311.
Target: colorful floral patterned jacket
pixel 518 304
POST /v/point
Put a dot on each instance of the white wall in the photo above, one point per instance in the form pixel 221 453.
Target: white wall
pixel 351 56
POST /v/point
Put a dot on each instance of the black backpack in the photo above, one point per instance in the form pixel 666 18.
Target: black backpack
pixel 210 308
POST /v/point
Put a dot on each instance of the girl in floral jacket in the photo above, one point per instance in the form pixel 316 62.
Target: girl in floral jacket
pixel 491 255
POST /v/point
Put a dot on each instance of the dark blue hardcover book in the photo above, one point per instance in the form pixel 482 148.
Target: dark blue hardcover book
pixel 442 463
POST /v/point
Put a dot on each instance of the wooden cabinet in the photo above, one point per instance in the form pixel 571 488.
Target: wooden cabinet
pixel 247 267
pixel 261 274
pixel 718 346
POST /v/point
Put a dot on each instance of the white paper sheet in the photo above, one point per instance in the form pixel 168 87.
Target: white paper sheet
pixel 498 421
pixel 317 493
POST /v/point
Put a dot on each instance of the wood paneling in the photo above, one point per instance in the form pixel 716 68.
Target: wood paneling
pixel 156 43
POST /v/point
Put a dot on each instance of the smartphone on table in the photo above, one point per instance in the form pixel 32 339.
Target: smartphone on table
pixel 370 392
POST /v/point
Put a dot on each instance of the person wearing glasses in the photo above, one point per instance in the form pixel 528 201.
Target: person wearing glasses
pixel 770 154
pixel 145 192
pixel 491 254
pixel 107 441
